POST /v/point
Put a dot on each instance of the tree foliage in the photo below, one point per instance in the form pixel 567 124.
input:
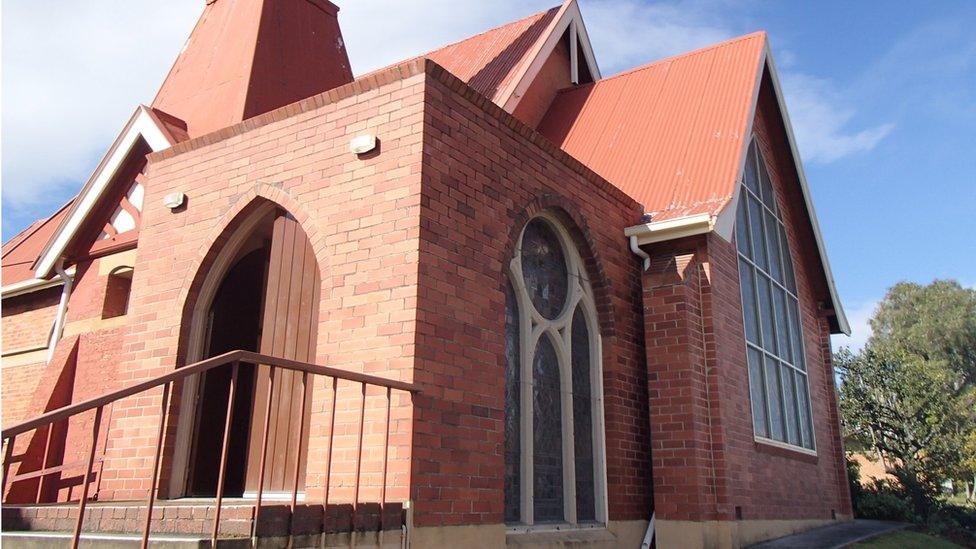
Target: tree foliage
pixel 910 394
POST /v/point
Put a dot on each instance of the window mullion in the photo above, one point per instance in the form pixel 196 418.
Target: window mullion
pixel 564 355
pixel 527 407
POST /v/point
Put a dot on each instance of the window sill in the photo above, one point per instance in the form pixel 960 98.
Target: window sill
pixel 782 449
pixel 558 534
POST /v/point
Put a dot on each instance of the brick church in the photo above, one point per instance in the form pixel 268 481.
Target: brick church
pixel 485 296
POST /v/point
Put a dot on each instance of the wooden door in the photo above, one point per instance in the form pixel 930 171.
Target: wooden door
pixel 290 323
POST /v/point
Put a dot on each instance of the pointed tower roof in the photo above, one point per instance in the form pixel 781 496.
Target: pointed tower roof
pixel 247 57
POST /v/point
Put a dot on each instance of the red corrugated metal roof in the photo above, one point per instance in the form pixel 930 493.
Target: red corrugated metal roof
pixel 671 133
pixel 489 61
pixel 20 252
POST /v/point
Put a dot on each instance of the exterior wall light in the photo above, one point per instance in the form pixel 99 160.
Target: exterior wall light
pixel 174 200
pixel 362 144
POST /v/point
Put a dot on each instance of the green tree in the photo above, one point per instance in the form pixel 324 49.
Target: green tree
pixel 936 322
pixel 909 393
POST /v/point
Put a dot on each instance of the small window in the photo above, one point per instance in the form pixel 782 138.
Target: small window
pixel 117 291
pixel 777 374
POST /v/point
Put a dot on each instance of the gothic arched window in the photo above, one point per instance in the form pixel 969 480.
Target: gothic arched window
pixel 778 384
pixel 554 449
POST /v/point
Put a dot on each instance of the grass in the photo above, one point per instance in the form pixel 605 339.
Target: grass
pixel 906 539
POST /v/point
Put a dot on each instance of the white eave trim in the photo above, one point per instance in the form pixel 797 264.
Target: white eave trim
pixel 28 286
pixel 671 229
pixel 569 16
pixel 33 285
pixel 141 124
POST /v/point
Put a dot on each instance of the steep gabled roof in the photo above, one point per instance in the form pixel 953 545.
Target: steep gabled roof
pixel 671 133
pixel 499 62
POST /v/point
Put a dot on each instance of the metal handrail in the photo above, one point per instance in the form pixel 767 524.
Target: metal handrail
pixel 196 368
pixel 166 381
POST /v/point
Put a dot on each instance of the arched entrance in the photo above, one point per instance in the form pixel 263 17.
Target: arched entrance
pixel 263 296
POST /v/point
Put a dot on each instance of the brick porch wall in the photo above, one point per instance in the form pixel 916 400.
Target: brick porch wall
pixel 485 174
pixel 361 216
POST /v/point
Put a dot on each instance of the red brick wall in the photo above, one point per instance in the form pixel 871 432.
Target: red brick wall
pixel 90 372
pixel 484 176
pixel 27 319
pixel 19 383
pixel 680 378
pixel 706 461
pixel 27 322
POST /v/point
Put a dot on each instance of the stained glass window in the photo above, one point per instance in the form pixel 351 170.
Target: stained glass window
pixel 513 387
pixel 770 311
pixel 544 268
pixel 547 463
pixel 551 345
pixel 583 418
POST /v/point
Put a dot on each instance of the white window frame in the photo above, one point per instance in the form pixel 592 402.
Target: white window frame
pixel 787 263
pixel 533 326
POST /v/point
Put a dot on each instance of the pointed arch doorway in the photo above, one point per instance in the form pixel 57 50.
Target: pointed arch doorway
pixel 261 294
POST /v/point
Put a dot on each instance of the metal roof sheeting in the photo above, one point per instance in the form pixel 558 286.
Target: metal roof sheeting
pixel 671 133
pixel 20 252
pixel 488 62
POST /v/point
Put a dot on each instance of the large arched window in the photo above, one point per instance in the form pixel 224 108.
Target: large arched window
pixel 774 343
pixel 554 445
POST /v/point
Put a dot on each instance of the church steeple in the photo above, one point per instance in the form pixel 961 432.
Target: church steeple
pixel 247 57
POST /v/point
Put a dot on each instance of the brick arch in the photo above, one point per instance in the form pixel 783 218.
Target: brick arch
pixel 259 195
pixel 575 224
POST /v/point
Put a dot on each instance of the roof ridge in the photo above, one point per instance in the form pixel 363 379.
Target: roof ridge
pixel 493 29
pixel 670 59
pixel 428 53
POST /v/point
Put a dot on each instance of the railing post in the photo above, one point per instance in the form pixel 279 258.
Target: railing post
pixel 359 458
pixel 88 471
pixel 154 480
pixel 328 457
pixel 223 453
pixel 264 453
pixel 386 452
pixel 8 454
pixel 47 452
pixel 298 458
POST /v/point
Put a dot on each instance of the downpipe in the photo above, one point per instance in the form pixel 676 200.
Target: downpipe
pixel 649 534
pixel 58 328
pixel 634 247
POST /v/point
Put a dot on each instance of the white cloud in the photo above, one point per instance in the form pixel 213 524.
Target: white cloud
pixel 822 118
pixel 72 74
pixel 859 317
pixel 628 33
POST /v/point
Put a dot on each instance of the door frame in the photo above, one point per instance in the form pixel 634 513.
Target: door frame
pixel 197 340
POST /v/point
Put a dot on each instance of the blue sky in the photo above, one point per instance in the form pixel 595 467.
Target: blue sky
pixel 882 98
